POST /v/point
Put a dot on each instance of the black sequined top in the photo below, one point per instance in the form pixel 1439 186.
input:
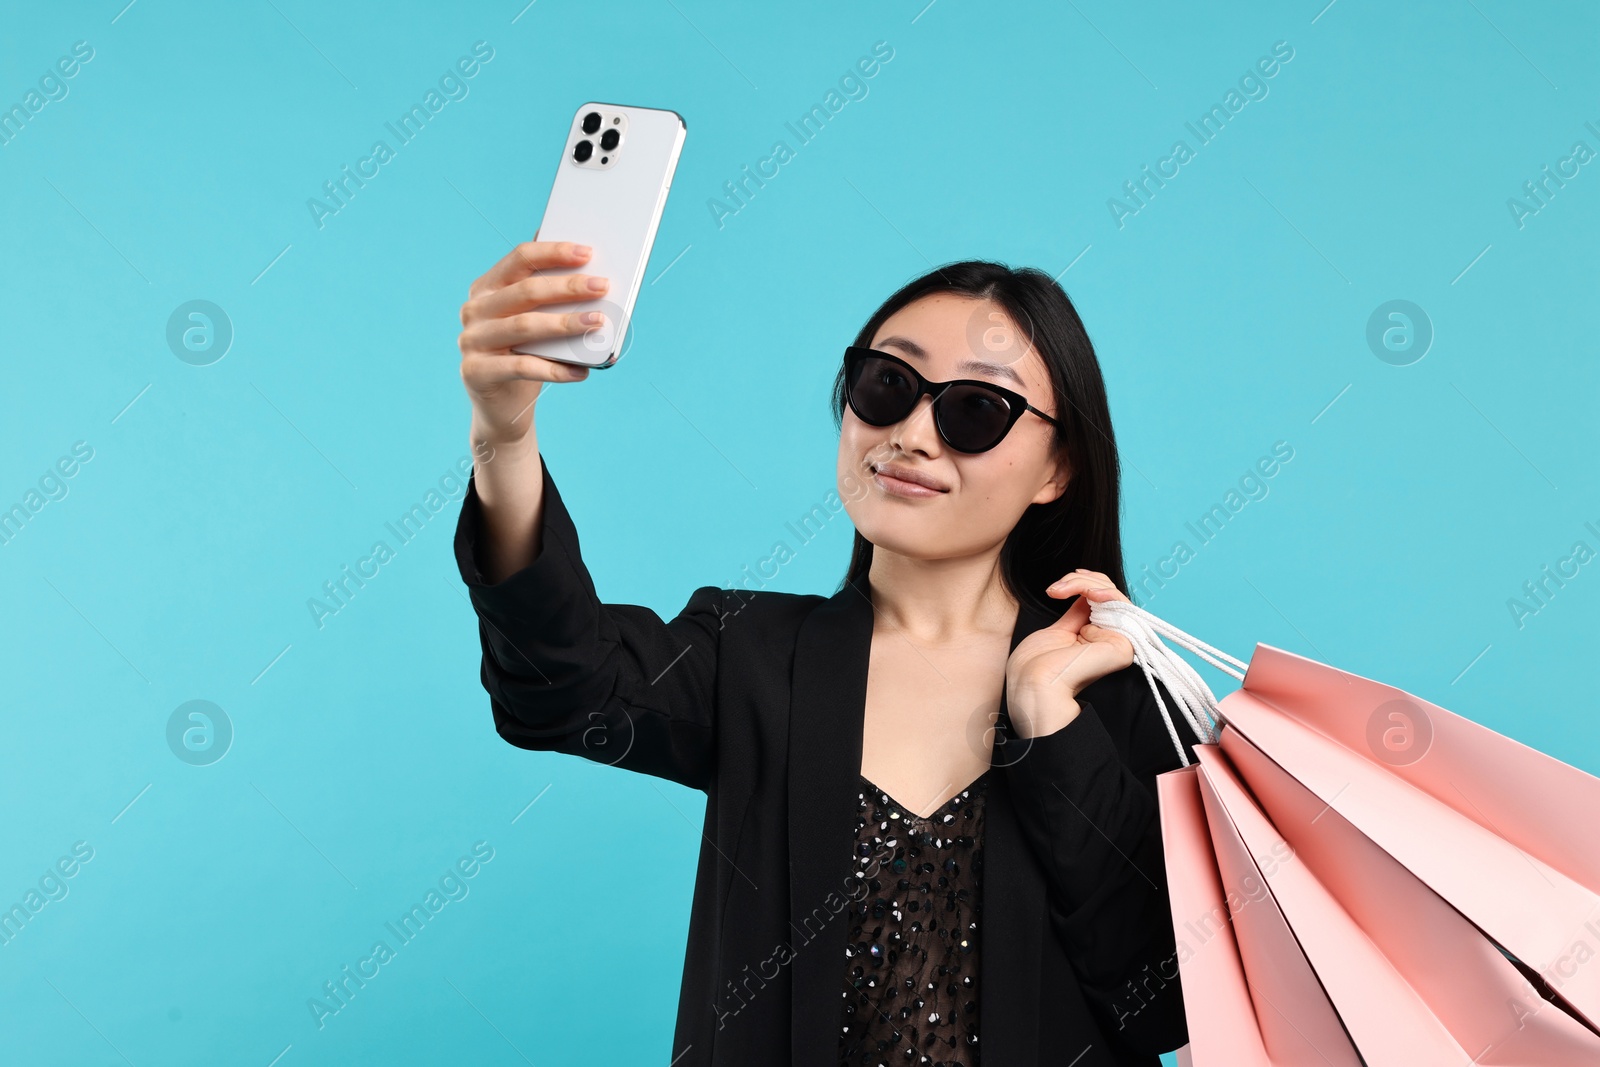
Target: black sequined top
pixel 911 963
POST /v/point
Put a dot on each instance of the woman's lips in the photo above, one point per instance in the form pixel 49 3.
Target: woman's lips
pixel 900 487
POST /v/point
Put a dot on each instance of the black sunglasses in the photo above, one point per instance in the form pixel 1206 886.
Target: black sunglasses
pixel 971 416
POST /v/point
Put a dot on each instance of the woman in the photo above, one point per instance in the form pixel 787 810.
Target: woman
pixel 931 829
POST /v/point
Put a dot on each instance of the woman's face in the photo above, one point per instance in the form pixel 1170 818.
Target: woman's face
pixel 979 497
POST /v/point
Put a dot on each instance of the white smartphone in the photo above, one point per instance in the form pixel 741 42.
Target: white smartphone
pixel 609 191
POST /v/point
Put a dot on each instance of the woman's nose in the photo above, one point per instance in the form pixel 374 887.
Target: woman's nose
pixel 916 432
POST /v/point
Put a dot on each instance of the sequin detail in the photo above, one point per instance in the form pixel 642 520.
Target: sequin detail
pixel 911 963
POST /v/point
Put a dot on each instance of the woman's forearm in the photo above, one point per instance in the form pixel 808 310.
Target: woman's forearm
pixel 510 483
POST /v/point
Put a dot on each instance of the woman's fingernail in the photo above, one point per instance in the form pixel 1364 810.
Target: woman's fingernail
pixel 592 317
pixel 581 250
pixel 598 284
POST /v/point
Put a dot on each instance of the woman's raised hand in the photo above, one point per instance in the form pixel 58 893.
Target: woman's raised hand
pixel 505 308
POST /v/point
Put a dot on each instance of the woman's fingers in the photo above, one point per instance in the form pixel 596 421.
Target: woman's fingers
pixel 500 314
pixel 499 334
pixel 1089 586
pixel 526 258
pixel 1075 618
pixel 529 293
pixel 482 371
pixel 1093 585
pixel 485 344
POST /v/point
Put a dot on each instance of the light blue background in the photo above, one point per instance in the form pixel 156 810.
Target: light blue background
pixel 1229 313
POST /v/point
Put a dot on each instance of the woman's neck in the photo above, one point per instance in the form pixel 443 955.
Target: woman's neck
pixel 935 602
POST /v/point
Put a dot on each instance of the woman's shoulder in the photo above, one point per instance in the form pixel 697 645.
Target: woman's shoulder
pixel 765 610
pixel 1127 708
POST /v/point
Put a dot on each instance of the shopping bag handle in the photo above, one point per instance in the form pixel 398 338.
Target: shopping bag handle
pixel 1194 698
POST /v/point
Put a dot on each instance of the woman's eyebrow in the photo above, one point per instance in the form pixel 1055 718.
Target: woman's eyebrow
pixel 911 348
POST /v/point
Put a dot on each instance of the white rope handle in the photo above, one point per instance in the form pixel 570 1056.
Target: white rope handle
pixel 1194 698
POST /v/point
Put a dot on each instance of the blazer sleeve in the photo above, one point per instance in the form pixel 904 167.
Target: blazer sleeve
pixel 613 683
pixel 1086 799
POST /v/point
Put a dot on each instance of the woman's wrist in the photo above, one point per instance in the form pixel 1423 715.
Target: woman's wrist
pixel 496 459
pixel 488 441
pixel 1037 714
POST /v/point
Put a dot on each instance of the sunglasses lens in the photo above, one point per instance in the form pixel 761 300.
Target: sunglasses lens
pixel 972 418
pixel 881 392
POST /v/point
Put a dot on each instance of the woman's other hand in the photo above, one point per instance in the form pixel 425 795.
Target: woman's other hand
pixel 1052 665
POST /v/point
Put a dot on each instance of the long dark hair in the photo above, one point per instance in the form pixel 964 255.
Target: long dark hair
pixel 1082 527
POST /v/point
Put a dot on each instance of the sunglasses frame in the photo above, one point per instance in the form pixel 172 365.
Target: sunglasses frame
pixel 1016 404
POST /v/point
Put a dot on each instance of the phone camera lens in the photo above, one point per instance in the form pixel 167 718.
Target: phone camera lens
pixel 609 139
pixel 591 122
pixel 582 151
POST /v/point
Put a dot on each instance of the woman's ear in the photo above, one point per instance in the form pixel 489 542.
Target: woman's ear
pixel 1057 484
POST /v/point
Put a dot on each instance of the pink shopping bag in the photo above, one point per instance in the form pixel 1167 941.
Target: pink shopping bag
pixel 1412 980
pixel 1502 831
pixel 1497 830
pixel 1250 996
pixel 1216 1000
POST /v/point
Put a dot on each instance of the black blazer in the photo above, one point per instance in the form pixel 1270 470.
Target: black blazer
pixel 757 698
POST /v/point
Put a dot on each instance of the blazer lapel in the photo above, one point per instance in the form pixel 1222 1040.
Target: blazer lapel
pixel 1016 917
pixel 826 718
pixel 827 712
